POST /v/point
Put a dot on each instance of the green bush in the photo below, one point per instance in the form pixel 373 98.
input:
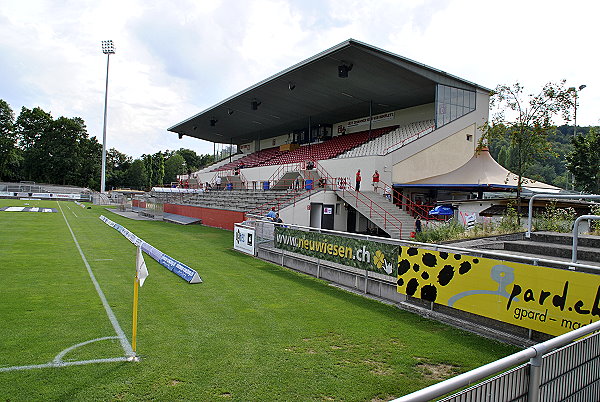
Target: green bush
pixel 595 227
pixel 449 230
pixel 511 220
pixel 556 219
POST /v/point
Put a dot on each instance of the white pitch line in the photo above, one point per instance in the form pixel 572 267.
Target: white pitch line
pixel 58 360
pixel 59 357
pixel 64 364
pixel 74 214
pixel 111 316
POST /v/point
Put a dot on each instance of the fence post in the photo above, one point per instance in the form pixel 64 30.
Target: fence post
pixel 366 280
pixel 535 378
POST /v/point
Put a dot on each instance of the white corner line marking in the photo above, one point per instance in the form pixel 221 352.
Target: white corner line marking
pixel 111 316
pixel 58 362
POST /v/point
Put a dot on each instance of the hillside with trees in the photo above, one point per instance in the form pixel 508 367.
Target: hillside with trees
pixel 549 165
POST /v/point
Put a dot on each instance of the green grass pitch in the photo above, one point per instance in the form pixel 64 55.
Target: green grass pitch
pixel 251 331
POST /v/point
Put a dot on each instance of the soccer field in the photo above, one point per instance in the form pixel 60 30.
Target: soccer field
pixel 251 331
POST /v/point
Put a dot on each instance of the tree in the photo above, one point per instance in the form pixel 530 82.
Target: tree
pixel 158 167
pixel 192 160
pixel 584 161
pixel 136 177
pixel 90 153
pixel 529 124
pixel 8 139
pixel 174 166
pixel 31 127
pixel 117 164
pixel 149 169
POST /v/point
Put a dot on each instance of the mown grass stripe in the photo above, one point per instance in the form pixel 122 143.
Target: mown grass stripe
pixel 111 316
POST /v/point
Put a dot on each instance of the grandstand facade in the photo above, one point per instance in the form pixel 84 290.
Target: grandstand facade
pixel 303 133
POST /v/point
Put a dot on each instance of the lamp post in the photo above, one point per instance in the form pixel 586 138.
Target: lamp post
pixel 108 48
pixel 575 90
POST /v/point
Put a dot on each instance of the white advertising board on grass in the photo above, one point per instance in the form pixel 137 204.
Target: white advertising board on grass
pixel 244 239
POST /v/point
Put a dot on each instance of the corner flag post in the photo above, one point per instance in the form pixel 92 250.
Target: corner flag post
pixel 141 273
pixel 135 311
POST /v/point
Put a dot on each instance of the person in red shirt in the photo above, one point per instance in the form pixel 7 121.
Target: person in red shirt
pixel 375 180
pixel 358 180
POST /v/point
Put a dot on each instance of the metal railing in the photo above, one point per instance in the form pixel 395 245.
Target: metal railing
pixel 412 208
pixel 495 389
pixel 406 140
pixel 553 196
pixel 388 218
pixel 576 233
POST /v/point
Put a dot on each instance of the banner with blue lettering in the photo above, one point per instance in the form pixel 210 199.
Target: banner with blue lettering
pixel 177 267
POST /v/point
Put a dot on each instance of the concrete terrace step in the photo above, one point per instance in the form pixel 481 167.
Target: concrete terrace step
pixel 553 249
pixel 567 239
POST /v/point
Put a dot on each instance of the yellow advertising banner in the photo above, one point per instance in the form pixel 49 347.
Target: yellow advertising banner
pixel 549 300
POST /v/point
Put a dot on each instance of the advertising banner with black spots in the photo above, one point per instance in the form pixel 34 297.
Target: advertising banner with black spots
pixel 363 254
pixel 552 301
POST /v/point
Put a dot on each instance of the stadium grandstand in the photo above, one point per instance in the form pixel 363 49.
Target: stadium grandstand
pixel 302 135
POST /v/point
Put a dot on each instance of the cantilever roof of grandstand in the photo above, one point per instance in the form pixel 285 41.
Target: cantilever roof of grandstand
pixel 283 103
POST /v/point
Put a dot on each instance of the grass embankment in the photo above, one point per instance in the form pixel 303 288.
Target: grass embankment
pixel 251 331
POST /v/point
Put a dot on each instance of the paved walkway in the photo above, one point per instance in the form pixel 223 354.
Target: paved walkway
pixel 132 215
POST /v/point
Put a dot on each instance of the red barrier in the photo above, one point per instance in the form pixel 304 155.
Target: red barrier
pixel 218 218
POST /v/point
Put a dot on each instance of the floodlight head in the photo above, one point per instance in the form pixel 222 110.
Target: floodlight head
pixel 343 70
pixel 291 86
pixel 255 104
pixel 230 111
pixel 213 122
pixel 108 47
pixel 582 86
pixel 180 135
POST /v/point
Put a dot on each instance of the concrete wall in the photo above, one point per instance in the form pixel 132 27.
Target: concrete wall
pixel 217 218
pixel 442 157
pixel 378 285
pixel 400 117
pixel 299 213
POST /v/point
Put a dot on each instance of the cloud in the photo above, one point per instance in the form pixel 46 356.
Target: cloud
pixel 175 59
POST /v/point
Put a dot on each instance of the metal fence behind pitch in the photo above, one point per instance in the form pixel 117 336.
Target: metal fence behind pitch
pixel 570 373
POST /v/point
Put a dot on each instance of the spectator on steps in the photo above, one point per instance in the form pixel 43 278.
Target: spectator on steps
pixel 358 180
pixel 375 181
pixel 272 215
pixel 218 182
pixel 387 193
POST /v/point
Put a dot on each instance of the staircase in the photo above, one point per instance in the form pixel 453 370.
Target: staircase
pixel 386 215
pixel 235 180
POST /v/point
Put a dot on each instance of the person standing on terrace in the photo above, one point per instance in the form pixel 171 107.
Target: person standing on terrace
pixel 375 180
pixel 358 180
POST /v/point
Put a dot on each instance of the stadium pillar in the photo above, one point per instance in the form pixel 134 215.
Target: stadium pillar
pixel 370 118
pixel 309 136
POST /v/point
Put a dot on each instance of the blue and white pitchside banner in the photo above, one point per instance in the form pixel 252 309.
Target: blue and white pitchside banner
pixel 244 239
pixel 178 268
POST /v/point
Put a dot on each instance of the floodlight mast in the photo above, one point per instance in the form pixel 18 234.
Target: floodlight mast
pixel 108 48
pixel 575 92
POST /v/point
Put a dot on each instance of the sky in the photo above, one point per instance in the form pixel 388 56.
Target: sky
pixel 176 58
